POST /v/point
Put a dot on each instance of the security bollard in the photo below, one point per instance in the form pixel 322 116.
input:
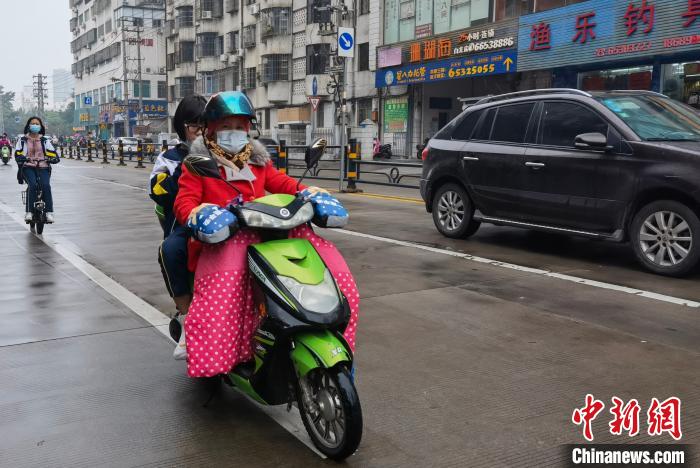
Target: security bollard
pixel 282 161
pixel 91 146
pixel 78 157
pixel 139 156
pixel 121 153
pixel 352 166
pixel 104 152
pixel 164 147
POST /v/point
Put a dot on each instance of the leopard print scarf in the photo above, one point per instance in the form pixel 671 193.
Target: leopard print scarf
pixel 239 160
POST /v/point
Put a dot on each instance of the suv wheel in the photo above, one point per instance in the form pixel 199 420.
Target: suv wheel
pixel 666 237
pixel 453 211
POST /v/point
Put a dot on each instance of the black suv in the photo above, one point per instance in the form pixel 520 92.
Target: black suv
pixel 619 165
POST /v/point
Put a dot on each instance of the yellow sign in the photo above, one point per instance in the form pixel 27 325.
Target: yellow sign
pixel 84 117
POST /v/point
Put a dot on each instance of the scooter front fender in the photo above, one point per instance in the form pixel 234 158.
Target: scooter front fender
pixel 318 349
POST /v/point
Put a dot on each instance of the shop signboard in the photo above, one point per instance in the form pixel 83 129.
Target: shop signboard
pixel 464 67
pixel 485 38
pixel 396 114
pixel 607 30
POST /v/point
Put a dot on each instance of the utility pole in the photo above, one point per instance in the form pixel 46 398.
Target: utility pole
pixel 138 58
pixel 126 77
pixel 40 93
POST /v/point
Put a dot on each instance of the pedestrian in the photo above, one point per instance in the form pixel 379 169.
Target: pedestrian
pixel 33 153
pixel 244 163
pixel 172 254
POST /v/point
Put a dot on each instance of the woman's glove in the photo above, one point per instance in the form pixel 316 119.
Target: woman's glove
pixel 328 211
pixel 212 224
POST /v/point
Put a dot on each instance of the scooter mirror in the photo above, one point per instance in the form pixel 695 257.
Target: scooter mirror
pixel 314 152
pixel 203 166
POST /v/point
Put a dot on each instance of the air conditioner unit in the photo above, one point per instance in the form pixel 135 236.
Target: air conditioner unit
pixel 233 58
pixel 148 69
pixel 160 31
pixel 161 70
pixel 206 14
pixel 254 9
pixel 223 58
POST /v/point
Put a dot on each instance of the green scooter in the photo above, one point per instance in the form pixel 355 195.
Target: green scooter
pixel 300 353
pixel 5 153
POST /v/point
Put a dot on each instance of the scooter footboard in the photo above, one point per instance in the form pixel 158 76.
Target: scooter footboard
pixel 318 349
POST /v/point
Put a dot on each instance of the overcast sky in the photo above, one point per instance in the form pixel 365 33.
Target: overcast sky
pixel 33 25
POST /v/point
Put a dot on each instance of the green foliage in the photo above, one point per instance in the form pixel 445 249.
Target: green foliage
pixel 57 123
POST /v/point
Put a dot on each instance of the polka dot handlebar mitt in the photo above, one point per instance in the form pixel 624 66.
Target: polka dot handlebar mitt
pixel 328 211
pixel 213 224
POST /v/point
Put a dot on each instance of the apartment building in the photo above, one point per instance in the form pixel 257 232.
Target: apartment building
pixel 274 51
pixel 109 38
pixel 62 84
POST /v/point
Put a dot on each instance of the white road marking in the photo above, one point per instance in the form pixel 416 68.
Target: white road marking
pixel 291 421
pixel 535 271
pixel 114 183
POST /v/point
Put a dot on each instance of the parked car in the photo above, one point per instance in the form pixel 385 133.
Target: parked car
pixel 129 144
pixel 619 165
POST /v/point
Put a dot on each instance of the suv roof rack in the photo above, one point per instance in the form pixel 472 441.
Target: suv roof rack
pixel 632 91
pixel 533 92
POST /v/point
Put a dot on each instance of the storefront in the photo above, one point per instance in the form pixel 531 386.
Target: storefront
pixel 422 80
pixel 597 45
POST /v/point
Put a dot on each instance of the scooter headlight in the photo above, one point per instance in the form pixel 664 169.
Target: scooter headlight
pixel 322 298
pixel 257 219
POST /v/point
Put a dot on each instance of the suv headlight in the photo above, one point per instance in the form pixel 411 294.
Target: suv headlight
pixel 257 219
pixel 321 298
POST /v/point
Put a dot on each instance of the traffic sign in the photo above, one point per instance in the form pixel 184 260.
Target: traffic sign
pixel 87 100
pixel 16 119
pixel 314 100
pixel 346 42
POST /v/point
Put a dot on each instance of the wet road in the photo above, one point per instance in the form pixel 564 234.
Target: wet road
pixel 461 361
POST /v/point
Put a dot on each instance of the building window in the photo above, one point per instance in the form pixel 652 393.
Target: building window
pixel 249 36
pixel 157 23
pixel 211 9
pixel 206 44
pixel 110 93
pixel 364 7
pixel 162 93
pixel 184 52
pixel 232 6
pixel 317 59
pixel 275 22
pixel 205 83
pixel 232 41
pixel 314 15
pixel 184 86
pixel 513 8
pixel 275 67
pixel 184 17
pixel 249 78
pixel 250 2
pixel 363 56
pixel 145 88
pixel 542 5
pixel 108 26
pixel 103 94
pixel 118 90
pixel 364 110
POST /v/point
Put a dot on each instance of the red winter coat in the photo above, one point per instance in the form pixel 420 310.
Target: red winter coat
pixel 195 190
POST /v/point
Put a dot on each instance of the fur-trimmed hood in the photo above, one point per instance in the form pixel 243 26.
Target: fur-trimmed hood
pixel 259 157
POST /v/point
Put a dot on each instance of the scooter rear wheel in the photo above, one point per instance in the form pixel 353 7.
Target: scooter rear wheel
pixel 333 420
pixel 39 227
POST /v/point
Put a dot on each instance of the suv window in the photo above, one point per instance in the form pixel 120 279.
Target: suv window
pixel 484 130
pixel 563 121
pixel 511 122
pixel 466 127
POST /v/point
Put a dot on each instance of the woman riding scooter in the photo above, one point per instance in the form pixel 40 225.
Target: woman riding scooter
pixel 222 320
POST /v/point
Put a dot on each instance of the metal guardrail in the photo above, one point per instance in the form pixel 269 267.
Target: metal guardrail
pixel 355 170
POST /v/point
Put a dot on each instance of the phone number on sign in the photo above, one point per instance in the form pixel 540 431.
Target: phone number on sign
pixel 486 45
pixel 475 70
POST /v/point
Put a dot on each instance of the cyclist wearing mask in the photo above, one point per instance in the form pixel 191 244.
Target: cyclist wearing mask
pixel 33 153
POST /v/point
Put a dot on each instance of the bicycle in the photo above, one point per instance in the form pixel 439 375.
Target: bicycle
pixel 38 210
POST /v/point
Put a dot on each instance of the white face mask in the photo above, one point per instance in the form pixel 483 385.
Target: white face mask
pixel 232 141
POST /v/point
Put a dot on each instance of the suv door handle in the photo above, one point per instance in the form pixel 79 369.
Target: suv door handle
pixel 470 157
pixel 535 165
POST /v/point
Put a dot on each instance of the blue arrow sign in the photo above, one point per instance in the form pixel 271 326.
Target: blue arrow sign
pixel 345 41
pixel 314 87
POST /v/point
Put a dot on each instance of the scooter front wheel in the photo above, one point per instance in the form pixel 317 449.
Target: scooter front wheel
pixel 331 411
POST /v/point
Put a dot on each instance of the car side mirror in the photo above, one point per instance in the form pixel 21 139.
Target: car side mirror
pixel 592 141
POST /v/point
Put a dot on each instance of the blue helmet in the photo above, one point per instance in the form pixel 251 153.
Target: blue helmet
pixel 227 104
